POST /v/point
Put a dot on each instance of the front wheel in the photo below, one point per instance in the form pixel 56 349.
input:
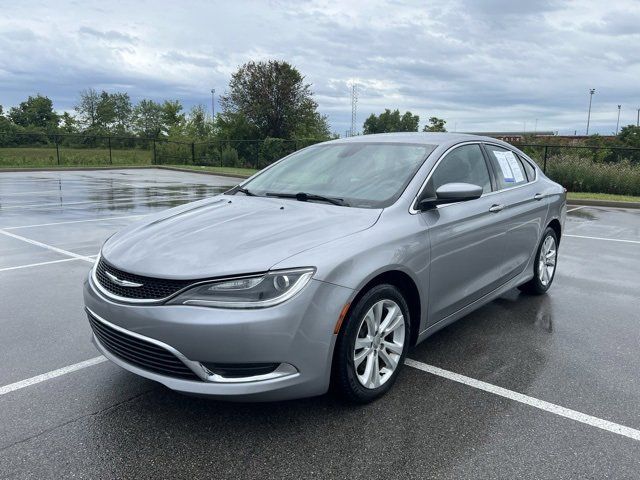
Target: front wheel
pixel 544 267
pixel 372 345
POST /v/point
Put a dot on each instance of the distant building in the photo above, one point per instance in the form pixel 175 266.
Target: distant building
pixel 513 137
pixel 540 137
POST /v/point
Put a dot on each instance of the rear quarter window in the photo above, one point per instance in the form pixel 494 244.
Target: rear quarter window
pixel 528 168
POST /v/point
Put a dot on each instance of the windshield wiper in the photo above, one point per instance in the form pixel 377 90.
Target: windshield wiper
pixel 304 197
pixel 246 191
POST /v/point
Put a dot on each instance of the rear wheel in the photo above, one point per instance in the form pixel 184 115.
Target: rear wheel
pixel 372 345
pixel 544 267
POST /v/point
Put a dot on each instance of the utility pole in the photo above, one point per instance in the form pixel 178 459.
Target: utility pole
pixel 213 103
pixel 638 119
pixel 354 107
pixel 618 122
pixel 591 92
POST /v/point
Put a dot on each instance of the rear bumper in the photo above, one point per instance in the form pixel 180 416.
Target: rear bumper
pixel 297 335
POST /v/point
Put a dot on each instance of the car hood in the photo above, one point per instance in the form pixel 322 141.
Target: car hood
pixel 229 235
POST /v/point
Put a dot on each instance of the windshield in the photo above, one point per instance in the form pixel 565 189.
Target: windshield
pixel 369 175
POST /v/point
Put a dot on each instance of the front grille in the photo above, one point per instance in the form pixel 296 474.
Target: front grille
pixel 140 353
pixel 151 289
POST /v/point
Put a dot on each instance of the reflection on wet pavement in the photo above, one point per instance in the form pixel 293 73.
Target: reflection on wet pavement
pixel 27 197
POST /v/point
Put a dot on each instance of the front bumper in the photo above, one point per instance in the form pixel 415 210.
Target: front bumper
pixel 297 334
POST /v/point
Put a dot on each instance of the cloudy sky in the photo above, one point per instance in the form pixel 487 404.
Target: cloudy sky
pixel 482 65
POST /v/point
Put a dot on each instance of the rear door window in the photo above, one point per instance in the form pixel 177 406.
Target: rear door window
pixel 509 169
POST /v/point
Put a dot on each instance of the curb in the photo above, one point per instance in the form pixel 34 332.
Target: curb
pixel 603 203
pixel 205 172
pixel 121 167
pixel 65 168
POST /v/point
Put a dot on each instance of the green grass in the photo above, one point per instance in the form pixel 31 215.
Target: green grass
pixel 86 157
pixel 244 172
pixel 601 196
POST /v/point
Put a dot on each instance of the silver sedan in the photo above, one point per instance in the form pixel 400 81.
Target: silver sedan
pixel 326 267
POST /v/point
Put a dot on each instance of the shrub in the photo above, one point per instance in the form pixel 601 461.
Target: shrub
pixel 273 149
pixel 229 157
pixel 582 174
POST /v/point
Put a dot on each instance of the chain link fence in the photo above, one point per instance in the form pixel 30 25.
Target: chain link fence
pixel 255 154
pixel 46 150
pixel 49 150
pixel 582 168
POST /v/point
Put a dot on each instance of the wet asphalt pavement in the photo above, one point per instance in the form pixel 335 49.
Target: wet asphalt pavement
pixel 577 347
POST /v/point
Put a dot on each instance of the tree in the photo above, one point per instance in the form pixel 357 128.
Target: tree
pixel 389 121
pixel 234 126
pixel 35 112
pixel 121 109
pixel 198 126
pixel 273 97
pixel 87 109
pixel 147 119
pixel 104 113
pixel 68 123
pixel 173 117
pixel 630 136
pixel 435 125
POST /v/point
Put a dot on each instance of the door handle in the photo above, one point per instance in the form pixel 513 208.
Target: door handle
pixel 538 196
pixel 496 208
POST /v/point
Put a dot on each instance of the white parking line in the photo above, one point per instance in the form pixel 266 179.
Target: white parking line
pixel 73 221
pixel 48 247
pixel 455 377
pixel 527 400
pixel 5 269
pixel 602 238
pixel 576 208
pixel 49 375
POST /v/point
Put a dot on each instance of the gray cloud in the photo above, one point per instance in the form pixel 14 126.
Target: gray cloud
pixel 483 65
pixel 110 35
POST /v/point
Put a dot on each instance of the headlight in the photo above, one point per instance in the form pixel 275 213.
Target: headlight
pixel 256 291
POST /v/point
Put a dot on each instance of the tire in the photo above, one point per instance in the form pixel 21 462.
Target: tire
pixel 362 382
pixel 541 282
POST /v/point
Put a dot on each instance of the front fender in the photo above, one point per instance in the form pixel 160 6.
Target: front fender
pixel 394 243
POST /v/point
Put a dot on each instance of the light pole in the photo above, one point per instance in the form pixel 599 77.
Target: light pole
pixel 213 103
pixel 591 92
pixel 618 122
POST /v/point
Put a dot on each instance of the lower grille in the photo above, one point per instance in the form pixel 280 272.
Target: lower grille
pixel 240 370
pixel 140 353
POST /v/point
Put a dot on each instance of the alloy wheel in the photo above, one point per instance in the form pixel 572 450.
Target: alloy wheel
pixel 547 260
pixel 379 344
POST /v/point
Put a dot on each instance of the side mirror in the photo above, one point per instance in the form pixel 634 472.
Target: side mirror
pixel 451 193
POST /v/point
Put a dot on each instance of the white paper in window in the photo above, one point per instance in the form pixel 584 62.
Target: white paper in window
pixel 515 166
pixel 505 167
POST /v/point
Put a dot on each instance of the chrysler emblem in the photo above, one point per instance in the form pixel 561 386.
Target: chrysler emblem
pixel 122 283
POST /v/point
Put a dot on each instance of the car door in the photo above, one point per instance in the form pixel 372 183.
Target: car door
pixel 524 207
pixel 467 238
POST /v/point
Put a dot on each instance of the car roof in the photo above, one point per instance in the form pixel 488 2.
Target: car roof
pixel 422 138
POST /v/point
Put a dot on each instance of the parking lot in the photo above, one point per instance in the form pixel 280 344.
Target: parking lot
pixel 530 387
